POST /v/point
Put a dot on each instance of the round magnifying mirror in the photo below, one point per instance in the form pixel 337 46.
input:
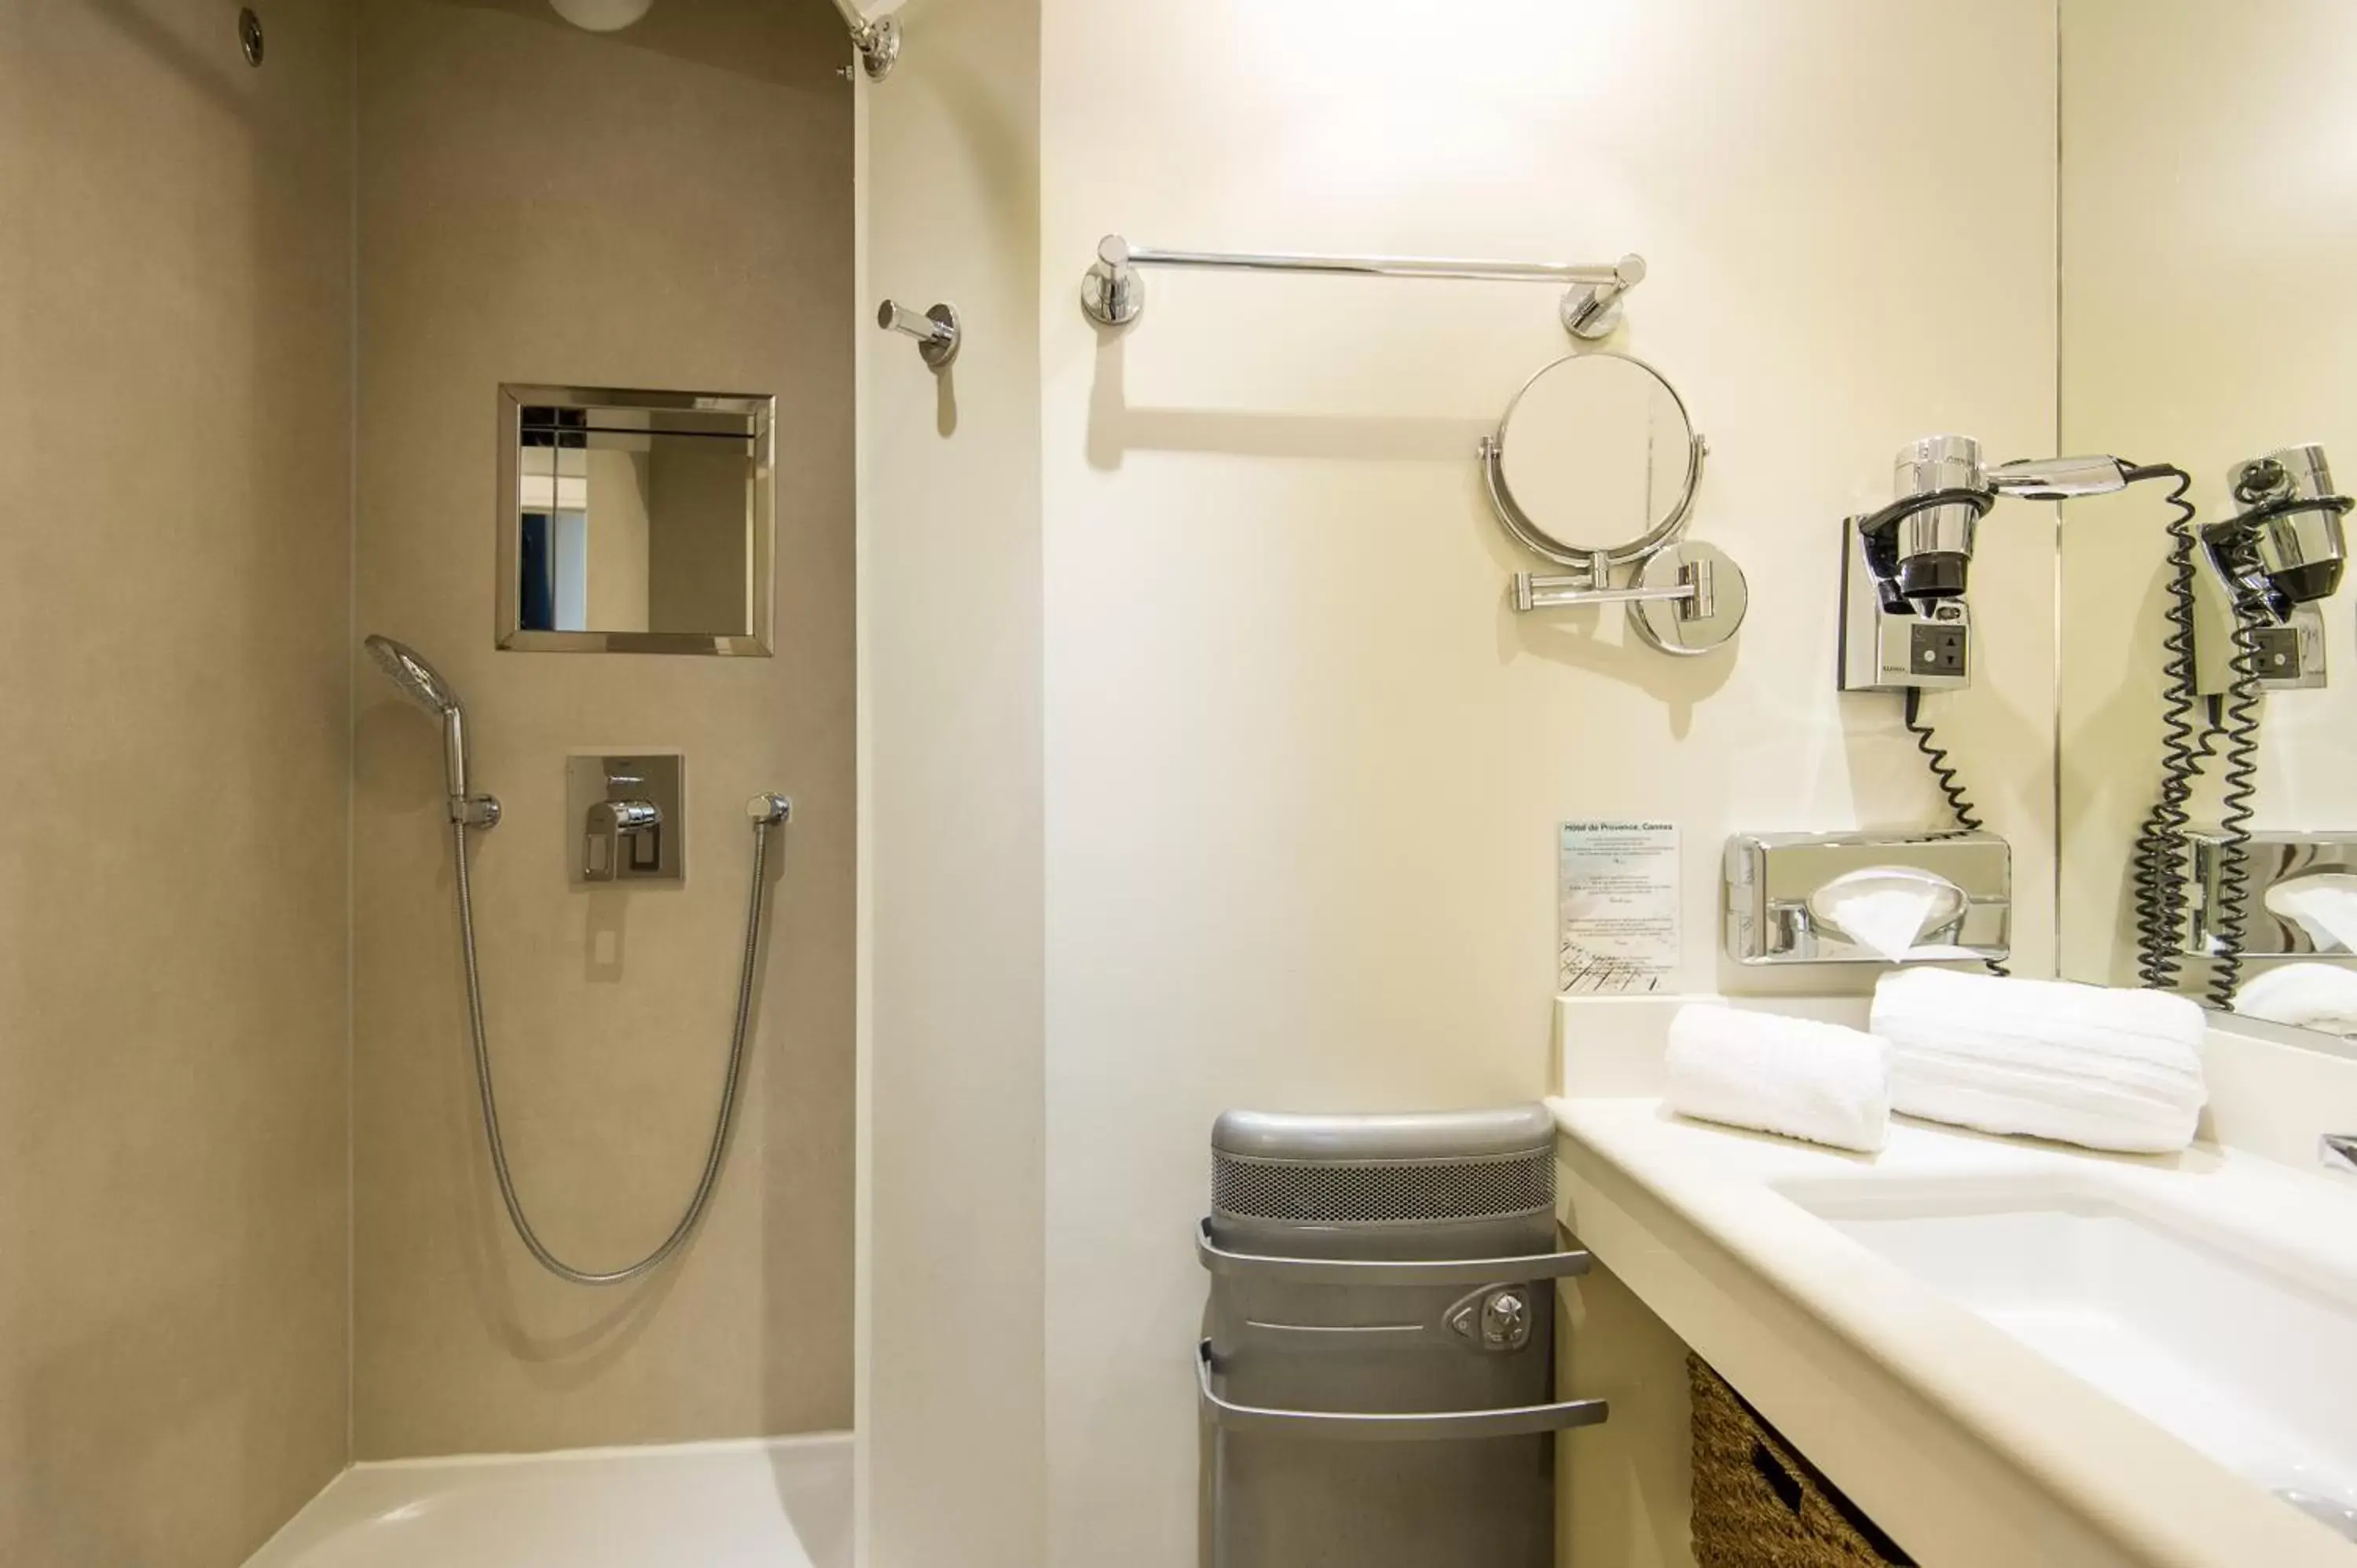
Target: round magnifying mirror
pixel 1595 456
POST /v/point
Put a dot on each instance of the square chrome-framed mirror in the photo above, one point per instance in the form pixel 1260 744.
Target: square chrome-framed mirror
pixel 684 560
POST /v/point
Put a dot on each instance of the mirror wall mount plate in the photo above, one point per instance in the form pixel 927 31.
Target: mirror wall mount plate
pixel 636 521
pixel 1602 441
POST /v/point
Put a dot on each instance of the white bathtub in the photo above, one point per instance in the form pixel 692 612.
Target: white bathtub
pixel 775 1503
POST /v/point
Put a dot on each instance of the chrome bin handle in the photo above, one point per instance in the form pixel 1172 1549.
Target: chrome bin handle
pixel 1417 1426
pixel 1348 1271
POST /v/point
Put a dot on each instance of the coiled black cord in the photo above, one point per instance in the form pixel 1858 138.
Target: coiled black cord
pixel 2242 787
pixel 1943 775
pixel 1943 772
pixel 2160 868
pixel 2160 844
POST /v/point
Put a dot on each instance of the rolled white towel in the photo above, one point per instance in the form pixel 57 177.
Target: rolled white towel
pixel 2309 995
pixel 1773 1074
pixel 2084 1064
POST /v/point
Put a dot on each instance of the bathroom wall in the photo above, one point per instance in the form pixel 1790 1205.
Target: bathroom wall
pixel 667 208
pixel 2172 189
pixel 1303 763
pixel 175 416
pixel 951 1465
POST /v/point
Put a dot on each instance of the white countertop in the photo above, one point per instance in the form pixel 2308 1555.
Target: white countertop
pixel 1637 1178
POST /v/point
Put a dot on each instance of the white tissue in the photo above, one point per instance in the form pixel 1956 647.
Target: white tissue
pixel 1887 919
pixel 1775 1074
pixel 2306 995
pixel 1884 908
pixel 2324 904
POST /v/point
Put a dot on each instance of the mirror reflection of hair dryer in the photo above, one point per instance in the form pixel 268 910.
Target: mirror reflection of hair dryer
pixel 2265 570
pixel 2243 618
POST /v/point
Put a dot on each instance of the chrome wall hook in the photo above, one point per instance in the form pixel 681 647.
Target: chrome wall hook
pixel 937 331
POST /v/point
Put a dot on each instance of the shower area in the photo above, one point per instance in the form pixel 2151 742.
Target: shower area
pixel 270 1292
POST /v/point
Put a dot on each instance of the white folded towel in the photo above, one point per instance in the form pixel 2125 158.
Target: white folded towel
pixel 2084 1064
pixel 2309 995
pixel 1775 1074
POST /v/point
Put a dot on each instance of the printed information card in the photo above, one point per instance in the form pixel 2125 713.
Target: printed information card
pixel 1618 883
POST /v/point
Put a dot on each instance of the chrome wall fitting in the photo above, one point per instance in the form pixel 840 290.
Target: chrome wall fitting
pixel 878 41
pixel 1777 902
pixel 632 817
pixel 1689 598
pixel 248 36
pixel 937 331
pixel 1112 294
pixel 1590 311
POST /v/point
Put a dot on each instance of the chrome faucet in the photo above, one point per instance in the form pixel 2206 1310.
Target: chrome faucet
pixel 2337 1151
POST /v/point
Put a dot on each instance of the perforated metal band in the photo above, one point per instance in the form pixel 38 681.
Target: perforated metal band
pixel 1383 1192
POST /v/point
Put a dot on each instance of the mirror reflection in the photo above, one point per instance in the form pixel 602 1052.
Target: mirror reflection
pixel 634 521
pixel 2208 785
pixel 1595 451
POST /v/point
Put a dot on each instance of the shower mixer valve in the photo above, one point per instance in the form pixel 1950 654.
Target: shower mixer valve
pixel 632 812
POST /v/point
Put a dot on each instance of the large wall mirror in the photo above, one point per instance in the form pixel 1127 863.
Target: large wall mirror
pixel 2208 204
pixel 635 521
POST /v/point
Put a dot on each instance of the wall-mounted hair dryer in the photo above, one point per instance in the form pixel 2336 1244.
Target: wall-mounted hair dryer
pixel 2269 568
pixel 1905 623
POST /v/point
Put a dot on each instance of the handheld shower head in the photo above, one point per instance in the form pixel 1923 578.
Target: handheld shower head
pixel 421 681
pixel 423 685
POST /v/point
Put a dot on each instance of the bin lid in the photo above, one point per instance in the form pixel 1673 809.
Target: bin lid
pixel 1414 1136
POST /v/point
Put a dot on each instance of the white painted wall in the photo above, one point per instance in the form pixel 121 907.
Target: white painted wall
pixel 950 1355
pixel 2177 183
pixel 1302 764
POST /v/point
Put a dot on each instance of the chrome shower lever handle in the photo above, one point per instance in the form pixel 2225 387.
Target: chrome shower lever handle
pixel 610 823
pixel 937 330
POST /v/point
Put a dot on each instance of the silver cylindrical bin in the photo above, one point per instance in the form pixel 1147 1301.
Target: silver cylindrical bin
pixel 1376 1369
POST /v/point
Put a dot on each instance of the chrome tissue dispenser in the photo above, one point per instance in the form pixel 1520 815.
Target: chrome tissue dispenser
pixel 1782 905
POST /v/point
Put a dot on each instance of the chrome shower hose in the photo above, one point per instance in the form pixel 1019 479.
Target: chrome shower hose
pixel 767 811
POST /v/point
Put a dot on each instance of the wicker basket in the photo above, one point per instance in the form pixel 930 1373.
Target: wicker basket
pixel 1757 1504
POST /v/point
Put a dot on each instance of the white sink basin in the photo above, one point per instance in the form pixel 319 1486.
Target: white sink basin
pixel 2248 1357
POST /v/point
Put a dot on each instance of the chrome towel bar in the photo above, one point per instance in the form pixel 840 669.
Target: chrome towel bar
pixel 1113 294
pixel 1407 1426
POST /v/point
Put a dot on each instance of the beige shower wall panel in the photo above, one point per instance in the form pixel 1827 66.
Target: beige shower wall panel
pixel 174 418
pixel 666 208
